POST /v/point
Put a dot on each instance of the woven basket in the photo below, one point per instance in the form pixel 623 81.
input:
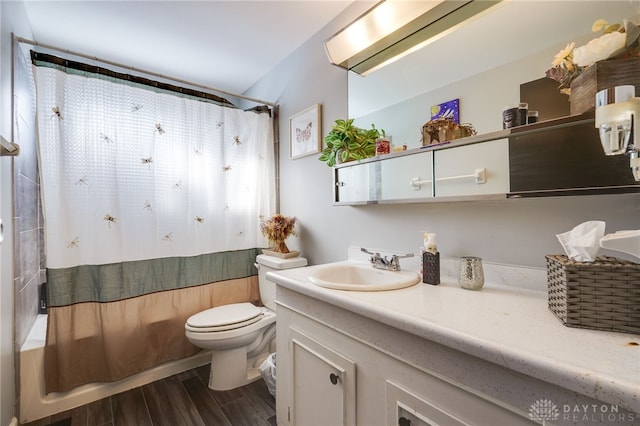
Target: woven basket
pixel 601 295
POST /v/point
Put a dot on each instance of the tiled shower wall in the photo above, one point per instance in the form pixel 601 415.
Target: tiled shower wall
pixel 28 224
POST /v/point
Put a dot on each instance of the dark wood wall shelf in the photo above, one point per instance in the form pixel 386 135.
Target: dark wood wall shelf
pixel 565 157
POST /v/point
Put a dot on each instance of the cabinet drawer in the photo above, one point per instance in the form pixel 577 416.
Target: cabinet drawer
pixel 477 169
pixel 407 177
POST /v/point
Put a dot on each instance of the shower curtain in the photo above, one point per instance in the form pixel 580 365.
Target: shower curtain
pixel 152 202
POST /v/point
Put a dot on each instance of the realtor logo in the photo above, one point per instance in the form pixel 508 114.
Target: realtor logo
pixel 544 410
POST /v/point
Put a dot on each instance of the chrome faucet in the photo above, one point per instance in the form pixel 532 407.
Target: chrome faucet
pixel 380 262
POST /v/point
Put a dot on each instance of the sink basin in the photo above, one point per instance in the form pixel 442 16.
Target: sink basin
pixel 357 277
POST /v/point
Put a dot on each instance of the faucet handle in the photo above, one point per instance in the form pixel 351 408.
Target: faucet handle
pixel 374 256
pixel 400 255
pixel 395 260
pixel 403 255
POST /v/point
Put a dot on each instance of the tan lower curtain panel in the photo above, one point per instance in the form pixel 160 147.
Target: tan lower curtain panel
pixel 105 342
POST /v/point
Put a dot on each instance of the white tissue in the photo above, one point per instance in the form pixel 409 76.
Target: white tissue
pixel 583 242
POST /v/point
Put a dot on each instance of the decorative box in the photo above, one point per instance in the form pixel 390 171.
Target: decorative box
pixel 602 295
pixel 603 75
pixel 443 129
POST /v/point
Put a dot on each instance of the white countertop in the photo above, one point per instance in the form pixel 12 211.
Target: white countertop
pixel 507 325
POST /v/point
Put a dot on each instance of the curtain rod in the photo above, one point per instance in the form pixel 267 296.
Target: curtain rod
pixel 158 75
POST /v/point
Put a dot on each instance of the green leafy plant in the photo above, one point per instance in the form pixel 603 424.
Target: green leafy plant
pixel 347 142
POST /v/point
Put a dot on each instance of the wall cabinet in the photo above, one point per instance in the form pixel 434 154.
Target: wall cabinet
pixel 556 157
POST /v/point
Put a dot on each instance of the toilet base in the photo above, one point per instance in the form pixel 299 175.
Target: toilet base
pixel 232 369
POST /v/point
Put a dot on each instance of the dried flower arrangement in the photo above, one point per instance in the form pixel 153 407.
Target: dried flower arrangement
pixel 277 229
pixel 616 42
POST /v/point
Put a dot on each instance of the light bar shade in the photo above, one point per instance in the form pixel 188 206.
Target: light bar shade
pixel 393 28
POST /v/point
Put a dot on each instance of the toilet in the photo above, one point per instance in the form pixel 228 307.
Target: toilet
pixel 240 336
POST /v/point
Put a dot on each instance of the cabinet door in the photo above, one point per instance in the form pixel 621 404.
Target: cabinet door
pixel 323 384
pixel 353 184
pixel 478 169
pixel 407 177
pixel 566 160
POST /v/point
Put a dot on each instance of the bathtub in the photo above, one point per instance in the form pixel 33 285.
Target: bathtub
pixel 34 404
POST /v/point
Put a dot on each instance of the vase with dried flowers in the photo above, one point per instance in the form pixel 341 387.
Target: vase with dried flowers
pixel 617 41
pixel 277 229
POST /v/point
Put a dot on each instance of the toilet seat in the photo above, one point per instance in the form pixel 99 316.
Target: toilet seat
pixel 224 318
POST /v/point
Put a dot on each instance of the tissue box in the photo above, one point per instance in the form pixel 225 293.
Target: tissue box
pixel 601 295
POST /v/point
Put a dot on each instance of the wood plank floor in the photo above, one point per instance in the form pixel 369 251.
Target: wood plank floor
pixel 180 400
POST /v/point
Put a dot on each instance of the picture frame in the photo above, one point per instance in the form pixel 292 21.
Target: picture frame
pixel 449 109
pixel 305 133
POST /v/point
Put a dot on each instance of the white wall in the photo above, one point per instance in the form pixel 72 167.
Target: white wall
pixel 13 19
pixel 303 79
pixel 516 232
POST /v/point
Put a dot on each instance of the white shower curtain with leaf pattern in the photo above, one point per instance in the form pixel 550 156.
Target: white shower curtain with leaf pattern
pixel 152 205
pixel 129 173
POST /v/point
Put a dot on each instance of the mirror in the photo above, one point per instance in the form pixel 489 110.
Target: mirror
pixel 511 31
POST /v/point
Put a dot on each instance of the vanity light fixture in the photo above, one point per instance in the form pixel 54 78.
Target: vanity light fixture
pixel 394 28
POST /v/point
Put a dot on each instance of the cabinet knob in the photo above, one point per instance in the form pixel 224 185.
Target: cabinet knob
pixel 403 421
pixel 334 378
pixel 340 183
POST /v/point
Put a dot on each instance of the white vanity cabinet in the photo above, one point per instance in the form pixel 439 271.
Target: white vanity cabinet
pixel 328 376
pixel 407 177
pixel 442 355
pixel 477 169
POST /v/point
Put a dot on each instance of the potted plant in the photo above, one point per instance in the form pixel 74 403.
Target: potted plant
pixel 347 142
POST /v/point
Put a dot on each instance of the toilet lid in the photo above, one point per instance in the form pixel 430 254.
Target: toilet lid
pixel 235 315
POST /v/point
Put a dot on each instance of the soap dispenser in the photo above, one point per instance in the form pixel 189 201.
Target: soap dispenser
pixel 430 260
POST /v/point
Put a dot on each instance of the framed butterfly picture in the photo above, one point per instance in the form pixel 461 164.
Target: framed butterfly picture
pixel 305 135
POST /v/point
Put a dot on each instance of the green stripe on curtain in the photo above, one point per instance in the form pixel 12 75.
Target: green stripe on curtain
pixel 107 283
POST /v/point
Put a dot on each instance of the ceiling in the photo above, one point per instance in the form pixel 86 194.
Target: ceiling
pixel 228 45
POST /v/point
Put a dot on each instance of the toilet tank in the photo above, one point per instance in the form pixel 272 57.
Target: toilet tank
pixel 267 263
